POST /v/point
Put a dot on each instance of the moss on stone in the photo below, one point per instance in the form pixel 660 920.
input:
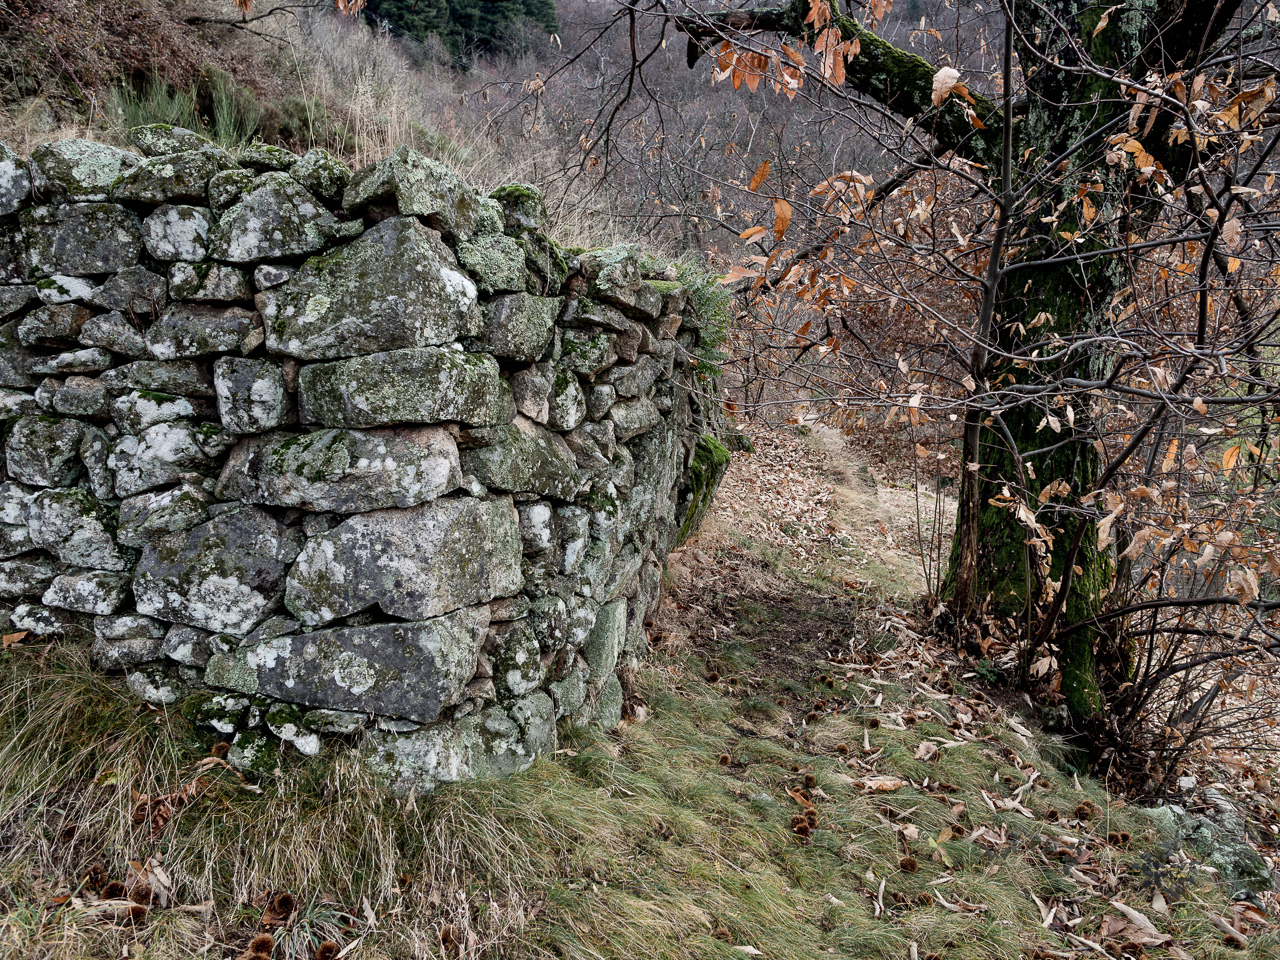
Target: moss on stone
pixel 710 461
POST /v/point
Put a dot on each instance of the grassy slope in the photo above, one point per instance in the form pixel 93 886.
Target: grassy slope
pixel 672 838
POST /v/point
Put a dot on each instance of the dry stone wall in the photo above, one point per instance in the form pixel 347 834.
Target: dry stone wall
pixel 305 454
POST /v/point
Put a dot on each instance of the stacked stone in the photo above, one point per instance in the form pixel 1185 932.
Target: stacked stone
pixel 309 453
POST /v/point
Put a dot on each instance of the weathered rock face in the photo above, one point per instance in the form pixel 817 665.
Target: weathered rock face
pixel 313 454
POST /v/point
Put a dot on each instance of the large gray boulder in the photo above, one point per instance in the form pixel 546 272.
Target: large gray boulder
pixel 411 670
pixel 225 575
pixel 277 218
pixel 343 471
pixel 181 177
pixel 77 169
pixel 251 394
pixel 416 186
pixel 494 743
pixel 80 239
pixel 44 451
pixel 178 232
pixel 15 181
pixel 186 330
pixel 73 526
pixel 397 286
pixel 421 385
pixel 518 326
pixel 158 457
pixel 156 515
pixel 525 458
pixel 414 564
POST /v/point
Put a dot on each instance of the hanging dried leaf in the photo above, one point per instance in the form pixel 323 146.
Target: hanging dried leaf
pixel 943 83
pixel 782 217
pixel 758 178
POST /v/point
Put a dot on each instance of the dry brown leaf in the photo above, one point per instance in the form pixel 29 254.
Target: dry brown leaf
pixel 782 217
pixel 943 83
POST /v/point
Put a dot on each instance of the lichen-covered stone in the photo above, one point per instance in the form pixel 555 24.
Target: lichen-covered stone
pixel 518 326
pixel 523 457
pixel 134 291
pixel 44 451
pixel 58 289
pixel 15 181
pixel 634 379
pixel 608 706
pixel 599 400
pixel 411 670
pixel 157 515
pixel 81 397
pixel 191 646
pixel 158 139
pixel 80 239
pixel 185 378
pixel 52 326
pixel 126 640
pixel 158 457
pixel 251 394
pixel 13 258
pixel 634 417
pixel 254 752
pixel 85 360
pixel 523 207
pixel 75 527
pixel 27 576
pixel 225 575
pixel 285 721
pixel 343 471
pixel 178 232
pixel 615 276
pixel 605 641
pixel 213 282
pixel 268 275
pixel 570 693
pixel 531 389
pixel 266 156
pixel 422 385
pixel 416 563
pixel 397 286
pixel 181 177
pixel 51 623
pixel 77 170
pixel 88 591
pixel 113 331
pixel 588 351
pixel 416 186
pixel 187 330
pixel 535 527
pixel 567 404
pixel 496 261
pixel 490 744
pixel 517 659
pixel 15 359
pixel 226 188
pixel 16 298
pixel 277 218
pixel 322 173
pixel 152 683
pixel 135 411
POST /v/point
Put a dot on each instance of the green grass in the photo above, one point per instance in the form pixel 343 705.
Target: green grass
pixel 636 845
